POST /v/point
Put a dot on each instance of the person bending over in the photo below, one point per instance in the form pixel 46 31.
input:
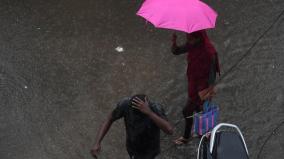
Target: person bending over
pixel 143 120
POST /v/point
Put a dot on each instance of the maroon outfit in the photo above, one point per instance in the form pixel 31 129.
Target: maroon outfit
pixel 201 72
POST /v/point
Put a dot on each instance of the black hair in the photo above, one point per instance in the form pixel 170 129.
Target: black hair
pixel 140 96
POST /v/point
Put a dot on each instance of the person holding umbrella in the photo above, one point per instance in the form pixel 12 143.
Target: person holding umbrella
pixel 191 17
pixel 143 120
pixel 201 73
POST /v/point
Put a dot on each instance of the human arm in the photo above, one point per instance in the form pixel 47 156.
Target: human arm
pixel 116 114
pixel 177 50
pixel 102 132
pixel 159 121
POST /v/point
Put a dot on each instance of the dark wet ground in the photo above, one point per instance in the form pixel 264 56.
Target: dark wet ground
pixel 60 75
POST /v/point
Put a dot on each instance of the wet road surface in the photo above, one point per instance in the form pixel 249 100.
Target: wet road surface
pixel 62 70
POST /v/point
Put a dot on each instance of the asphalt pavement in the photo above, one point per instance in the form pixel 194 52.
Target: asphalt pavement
pixel 64 64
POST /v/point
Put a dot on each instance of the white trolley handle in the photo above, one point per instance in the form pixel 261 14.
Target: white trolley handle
pixel 198 150
pixel 212 139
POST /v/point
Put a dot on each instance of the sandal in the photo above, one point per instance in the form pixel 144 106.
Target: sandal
pixel 180 141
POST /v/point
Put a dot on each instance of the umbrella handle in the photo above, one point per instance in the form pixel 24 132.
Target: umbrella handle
pixel 174 37
pixel 146 22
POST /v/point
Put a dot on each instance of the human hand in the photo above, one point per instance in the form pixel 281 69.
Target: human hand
pixel 207 93
pixel 95 151
pixel 141 105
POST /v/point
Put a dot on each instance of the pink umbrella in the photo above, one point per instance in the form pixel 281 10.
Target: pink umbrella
pixel 183 15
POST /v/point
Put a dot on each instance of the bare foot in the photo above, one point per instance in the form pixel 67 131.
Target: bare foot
pixel 180 141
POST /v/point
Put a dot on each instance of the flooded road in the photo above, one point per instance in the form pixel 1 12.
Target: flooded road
pixel 65 64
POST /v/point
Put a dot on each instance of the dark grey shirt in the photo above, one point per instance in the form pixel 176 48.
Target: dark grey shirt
pixel 142 134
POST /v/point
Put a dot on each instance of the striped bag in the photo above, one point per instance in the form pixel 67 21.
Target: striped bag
pixel 205 121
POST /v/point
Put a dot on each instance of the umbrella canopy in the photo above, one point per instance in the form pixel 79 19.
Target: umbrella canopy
pixel 183 15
